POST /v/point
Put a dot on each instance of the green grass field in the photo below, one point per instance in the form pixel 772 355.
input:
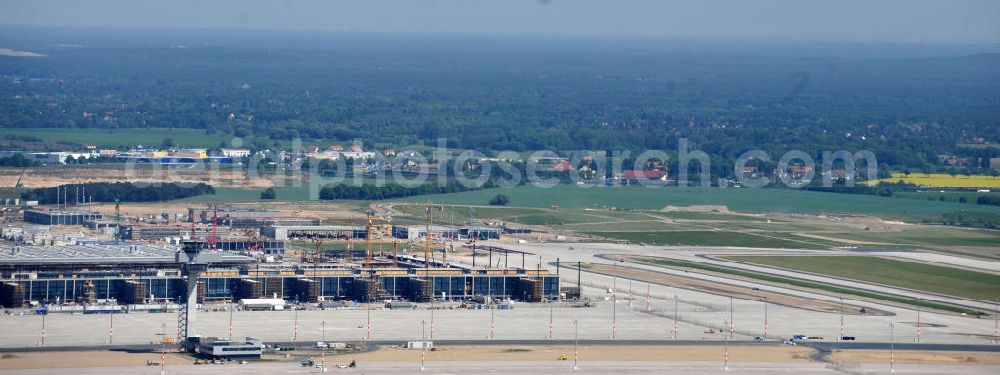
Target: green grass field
pixel 716 229
pixel 713 238
pixel 912 275
pixel 926 237
pixel 744 200
pixel 803 284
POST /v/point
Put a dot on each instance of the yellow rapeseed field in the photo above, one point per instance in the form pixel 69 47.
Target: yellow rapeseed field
pixel 944 180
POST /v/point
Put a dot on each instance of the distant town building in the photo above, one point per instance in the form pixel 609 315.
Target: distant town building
pixel 60 217
pixel 195 153
pixel 235 153
pixel 561 166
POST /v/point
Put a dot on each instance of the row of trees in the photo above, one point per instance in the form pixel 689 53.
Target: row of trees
pixel 391 191
pixel 17 160
pixel 123 191
pixel 988 200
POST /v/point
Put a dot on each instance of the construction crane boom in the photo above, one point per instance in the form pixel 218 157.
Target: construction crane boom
pixel 368 239
pixel 427 237
pixel 19 183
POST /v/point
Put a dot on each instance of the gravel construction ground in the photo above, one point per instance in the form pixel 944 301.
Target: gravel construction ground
pixel 882 356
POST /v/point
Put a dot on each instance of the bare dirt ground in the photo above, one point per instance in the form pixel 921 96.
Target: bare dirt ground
pixel 723 289
pixel 328 211
pixel 519 353
pixel 55 176
pixel 882 356
pixel 81 359
pixel 835 239
pixel 697 208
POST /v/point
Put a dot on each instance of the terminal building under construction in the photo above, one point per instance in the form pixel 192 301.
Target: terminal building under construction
pixel 146 274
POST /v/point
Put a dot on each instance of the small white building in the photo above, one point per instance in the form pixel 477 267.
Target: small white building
pixel 420 344
pixel 235 152
pixel 262 304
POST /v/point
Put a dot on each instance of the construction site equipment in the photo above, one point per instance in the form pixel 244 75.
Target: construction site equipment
pixel 21 176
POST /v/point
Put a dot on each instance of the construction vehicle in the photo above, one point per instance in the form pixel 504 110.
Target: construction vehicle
pixel 562 357
pixel 19 183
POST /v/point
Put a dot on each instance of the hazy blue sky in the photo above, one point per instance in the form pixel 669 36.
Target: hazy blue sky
pixel 866 20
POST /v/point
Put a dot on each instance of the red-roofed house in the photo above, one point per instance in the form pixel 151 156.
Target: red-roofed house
pixel 561 166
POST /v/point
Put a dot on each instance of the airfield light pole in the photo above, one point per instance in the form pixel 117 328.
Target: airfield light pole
pixel 725 363
pixel 43 330
pixel 493 324
pixel 576 343
pixel 323 324
pixel 996 320
pixel 322 353
pixel 630 292
pixel 842 319
pixel 765 317
pixel 614 306
pixel 163 349
pixel 368 337
pixel 731 328
pixel 675 317
pixel 111 328
pixel 423 355
pixel 649 306
pixel 423 329
pixel 231 309
pixel 550 318
pixel 295 328
pixel 892 347
pixel 918 319
pixel 432 318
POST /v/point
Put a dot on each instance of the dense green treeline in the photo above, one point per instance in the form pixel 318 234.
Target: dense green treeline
pixel 121 191
pixel 524 95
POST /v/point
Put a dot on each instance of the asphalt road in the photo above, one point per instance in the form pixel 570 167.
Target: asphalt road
pixel 820 345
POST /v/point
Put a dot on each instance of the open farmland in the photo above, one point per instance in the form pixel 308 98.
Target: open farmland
pixel 943 180
pixel 720 229
pixel 741 200
pixel 913 275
